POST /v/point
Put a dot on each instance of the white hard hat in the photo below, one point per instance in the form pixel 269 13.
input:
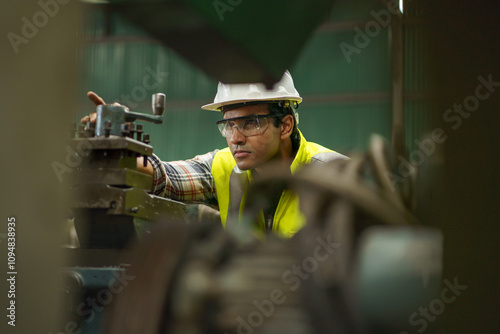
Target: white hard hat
pixel 228 94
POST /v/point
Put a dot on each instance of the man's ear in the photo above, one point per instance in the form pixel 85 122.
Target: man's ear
pixel 286 127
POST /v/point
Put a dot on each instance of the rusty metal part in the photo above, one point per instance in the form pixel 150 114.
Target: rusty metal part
pixel 113 216
pixel 139 132
pixel 113 142
pixel 122 201
pixel 107 129
pixel 145 139
pixel 114 176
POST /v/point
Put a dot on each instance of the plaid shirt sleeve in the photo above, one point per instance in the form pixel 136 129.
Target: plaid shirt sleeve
pixel 185 180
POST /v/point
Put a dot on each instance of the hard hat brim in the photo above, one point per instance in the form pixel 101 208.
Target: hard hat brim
pixel 217 106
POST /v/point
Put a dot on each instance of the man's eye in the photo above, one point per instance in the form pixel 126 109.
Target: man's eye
pixel 252 122
pixel 229 125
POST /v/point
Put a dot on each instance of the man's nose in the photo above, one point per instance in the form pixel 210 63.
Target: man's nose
pixel 237 137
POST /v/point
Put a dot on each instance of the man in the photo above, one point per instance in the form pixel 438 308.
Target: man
pixel 260 127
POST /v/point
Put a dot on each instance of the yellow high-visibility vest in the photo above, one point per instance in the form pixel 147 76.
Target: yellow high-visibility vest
pixel 231 186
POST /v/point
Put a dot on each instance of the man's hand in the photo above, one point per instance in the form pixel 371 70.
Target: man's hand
pixel 97 100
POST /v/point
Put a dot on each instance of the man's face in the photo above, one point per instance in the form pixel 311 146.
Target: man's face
pixel 254 151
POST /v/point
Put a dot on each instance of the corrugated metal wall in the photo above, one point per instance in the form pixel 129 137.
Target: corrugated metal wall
pixel 346 97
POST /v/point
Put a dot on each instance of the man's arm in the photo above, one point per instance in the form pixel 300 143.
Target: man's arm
pixel 146 170
pixel 185 180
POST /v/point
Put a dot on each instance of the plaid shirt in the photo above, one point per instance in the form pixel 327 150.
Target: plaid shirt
pixel 185 180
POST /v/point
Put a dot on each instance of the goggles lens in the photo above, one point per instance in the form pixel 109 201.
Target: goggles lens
pixel 247 125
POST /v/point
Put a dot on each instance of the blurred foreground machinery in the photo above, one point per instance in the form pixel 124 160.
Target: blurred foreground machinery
pixel 111 207
pixel 362 264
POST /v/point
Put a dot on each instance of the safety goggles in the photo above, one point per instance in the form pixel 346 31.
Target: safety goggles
pixel 247 125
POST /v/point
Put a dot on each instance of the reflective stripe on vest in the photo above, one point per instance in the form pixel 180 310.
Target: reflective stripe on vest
pixel 231 185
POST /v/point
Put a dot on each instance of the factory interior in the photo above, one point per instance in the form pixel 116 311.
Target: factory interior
pixel 399 238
